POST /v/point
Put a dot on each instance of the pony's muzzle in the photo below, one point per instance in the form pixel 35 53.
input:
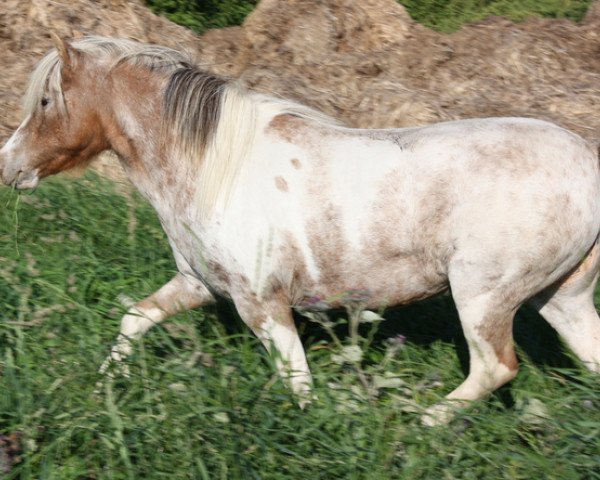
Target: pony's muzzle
pixel 13 173
pixel 26 180
pixel 19 178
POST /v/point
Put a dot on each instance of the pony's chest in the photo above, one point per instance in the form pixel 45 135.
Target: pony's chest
pixel 223 256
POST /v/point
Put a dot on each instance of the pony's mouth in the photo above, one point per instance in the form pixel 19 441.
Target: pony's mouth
pixel 27 180
pixel 22 180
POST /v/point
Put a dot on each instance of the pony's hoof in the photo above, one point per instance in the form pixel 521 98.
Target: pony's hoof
pixel 439 414
pixel 98 388
pixel 112 367
pixel 306 401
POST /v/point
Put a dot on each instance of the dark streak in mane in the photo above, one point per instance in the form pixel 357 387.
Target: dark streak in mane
pixel 192 106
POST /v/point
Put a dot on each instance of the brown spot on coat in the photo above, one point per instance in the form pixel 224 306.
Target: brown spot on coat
pixel 496 326
pixel 300 131
pixel 497 331
pixel 329 247
pixel 220 273
pixel 254 311
pixel 285 127
pixel 295 279
pixel 296 163
pixel 404 251
pixel 281 184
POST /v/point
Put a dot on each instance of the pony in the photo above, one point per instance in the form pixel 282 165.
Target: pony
pixel 270 204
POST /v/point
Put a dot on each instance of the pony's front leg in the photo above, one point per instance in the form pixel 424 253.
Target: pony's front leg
pixel 181 293
pixel 272 322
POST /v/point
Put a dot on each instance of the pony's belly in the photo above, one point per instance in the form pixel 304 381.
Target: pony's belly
pixel 384 284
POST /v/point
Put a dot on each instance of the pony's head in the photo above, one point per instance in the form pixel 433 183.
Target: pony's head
pixel 85 96
pixel 61 127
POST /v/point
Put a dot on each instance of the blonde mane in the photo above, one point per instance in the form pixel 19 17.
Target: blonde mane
pixel 209 121
pixel 228 149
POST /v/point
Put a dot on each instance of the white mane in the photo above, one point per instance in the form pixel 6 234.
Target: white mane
pixel 235 135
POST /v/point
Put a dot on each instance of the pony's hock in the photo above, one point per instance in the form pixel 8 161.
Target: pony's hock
pixel 272 204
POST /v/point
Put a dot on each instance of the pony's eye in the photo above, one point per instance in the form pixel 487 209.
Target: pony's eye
pixel 44 102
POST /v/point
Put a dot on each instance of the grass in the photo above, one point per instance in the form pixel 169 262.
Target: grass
pixel 203 401
pixel 200 16
pixel 449 15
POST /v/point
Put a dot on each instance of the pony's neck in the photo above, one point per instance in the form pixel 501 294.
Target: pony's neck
pixel 132 121
pixel 167 163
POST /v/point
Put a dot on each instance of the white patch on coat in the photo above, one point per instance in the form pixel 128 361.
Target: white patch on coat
pixel 13 142
pixel 14 161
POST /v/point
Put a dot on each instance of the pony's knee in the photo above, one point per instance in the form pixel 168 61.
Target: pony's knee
pixel 135 323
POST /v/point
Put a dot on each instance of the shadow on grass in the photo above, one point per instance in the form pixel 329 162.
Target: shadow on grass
pixel 437 319
pixel 425 323
pixel 429 321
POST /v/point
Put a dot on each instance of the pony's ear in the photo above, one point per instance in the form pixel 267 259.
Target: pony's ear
pixel 63 49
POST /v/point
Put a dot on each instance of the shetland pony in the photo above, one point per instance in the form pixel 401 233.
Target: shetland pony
pixel 269 203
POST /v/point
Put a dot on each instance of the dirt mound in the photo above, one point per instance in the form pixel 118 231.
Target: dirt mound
pixel 25 28
pixel 370 64
pixel 366 62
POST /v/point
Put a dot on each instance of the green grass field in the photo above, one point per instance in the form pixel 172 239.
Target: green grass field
pixel 203 400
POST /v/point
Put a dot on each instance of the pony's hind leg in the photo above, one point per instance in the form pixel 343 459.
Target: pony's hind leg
pixel 181 293
pixel 569 307
pixel 487 326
